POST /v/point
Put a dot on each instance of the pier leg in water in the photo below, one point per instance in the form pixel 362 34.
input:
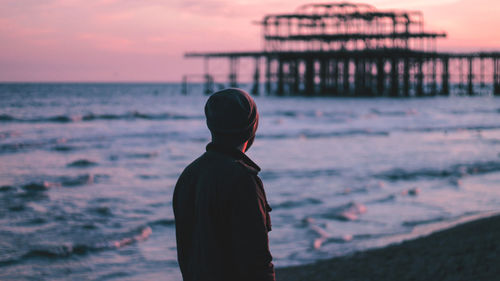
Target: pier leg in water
pixel 420 78
pixel 496 77
pixel 446 78
pixel 295 77
pixel 256 78
pixel 280 91
pixel 233 69
pixel 434 77
pixel 209 84
pixel 346 77
pixel 323 75
pixel 335 77
pixel 184 89
pixel 470 78
pixel 380 77
pixel 268 75
pixel 394 78
pixel 406 78
pixel 358 76
pixel 309 77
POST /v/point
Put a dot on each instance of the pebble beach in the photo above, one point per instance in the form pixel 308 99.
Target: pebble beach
pixel 468 251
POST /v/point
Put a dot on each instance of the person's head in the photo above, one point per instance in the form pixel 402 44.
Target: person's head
pixel 232 118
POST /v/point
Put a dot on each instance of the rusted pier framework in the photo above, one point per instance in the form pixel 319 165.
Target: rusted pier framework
pixel 345 49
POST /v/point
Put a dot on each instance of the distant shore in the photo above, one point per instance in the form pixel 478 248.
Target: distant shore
pixel 469 251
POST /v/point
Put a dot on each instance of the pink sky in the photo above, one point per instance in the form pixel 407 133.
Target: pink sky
pixel 144 40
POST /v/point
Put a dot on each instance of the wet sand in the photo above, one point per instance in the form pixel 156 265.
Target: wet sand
pixel 469 251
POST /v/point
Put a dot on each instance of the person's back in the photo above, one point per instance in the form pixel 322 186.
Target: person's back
pixel 220 207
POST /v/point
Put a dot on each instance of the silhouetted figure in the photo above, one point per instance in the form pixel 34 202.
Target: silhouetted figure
pixel 220 207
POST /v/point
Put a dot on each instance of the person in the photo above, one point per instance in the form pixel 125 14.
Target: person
pixel 220 207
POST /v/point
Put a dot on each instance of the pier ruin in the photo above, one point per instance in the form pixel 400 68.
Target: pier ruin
pixel 354 50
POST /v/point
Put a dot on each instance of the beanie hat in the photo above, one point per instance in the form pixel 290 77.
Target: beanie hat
pixel 232 117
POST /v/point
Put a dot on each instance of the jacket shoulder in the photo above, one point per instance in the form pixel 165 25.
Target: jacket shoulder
pixel 247 168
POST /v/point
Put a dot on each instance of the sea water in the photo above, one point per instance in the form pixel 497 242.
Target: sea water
pixel 87 173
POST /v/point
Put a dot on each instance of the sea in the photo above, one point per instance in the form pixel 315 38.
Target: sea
pixel 87 173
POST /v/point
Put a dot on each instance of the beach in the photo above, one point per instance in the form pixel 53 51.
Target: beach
pixel 468 251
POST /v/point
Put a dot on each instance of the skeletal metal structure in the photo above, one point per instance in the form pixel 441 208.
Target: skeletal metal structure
pixel 346 49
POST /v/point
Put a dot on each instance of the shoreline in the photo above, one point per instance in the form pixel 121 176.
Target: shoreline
pixel 467 251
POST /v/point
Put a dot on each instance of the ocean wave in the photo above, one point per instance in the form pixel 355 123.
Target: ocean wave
pixel 5 188
pixel 453 172
pixel 385 199
pixel 148 177
pixel 31 144
pixel 297 203
pixel 451 128
pixel 66 145
pixel 94 117
pixel 54 182
pixel 162 222
pixel 301 173
pixel 65 250
pixel 315 135
pixel 323 236
pixel 474 111
pixel 35 186
pixel 348 212
pixel 6 117
pixel 82 179
pixel 134 155
pixel 414 223
pixel 9 134
pixel 394 113
pixel 101 211
pixel 82 163
pixel 64 148
pixel 312 114
pixel 15 147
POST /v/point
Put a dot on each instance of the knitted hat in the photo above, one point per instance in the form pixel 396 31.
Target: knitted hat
pixel 232 117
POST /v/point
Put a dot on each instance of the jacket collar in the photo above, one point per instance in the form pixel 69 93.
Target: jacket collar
pixel 234 153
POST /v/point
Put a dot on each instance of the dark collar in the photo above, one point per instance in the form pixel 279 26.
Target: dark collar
pixel 234 153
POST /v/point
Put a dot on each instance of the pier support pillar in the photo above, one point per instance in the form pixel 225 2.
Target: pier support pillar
pixel 233 69
pixel 394 78
pixel 481 72
pixel 184 88
pixel 309 77
pixel 406 77
pixel 324 66
pixel 256 78
pixel 434 76
pixel 369 82
pixel 470 79
pixel 358 76
pixel 294 69
pixel 209 84
pixel 280 90
pixel 496 77
pixel 268 76
pixel 362 78
pixel 345 83
pixel 445 89
pixel 335 77
pixel 380 77
pixel 208 78
pixel 420 78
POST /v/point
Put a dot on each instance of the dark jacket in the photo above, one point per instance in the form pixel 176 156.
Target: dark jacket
pixel 222 219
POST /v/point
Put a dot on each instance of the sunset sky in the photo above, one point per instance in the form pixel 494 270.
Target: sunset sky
pixel 144 40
